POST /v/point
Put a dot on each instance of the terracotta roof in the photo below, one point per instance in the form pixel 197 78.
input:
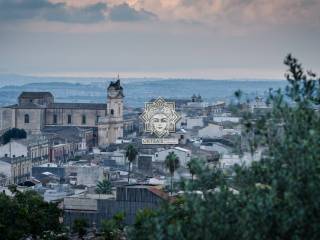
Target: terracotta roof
pixel 160 193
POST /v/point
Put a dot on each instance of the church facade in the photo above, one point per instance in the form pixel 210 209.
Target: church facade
pixel 37 110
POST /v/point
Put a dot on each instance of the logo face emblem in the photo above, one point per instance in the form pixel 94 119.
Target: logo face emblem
pixel 160 117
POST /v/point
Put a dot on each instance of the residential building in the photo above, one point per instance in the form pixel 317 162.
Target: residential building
pixel 216 131
pixel 15 170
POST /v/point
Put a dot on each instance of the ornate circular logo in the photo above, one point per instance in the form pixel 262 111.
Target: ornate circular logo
pixel 160 117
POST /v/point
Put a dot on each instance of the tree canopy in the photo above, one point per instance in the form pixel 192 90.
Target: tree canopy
pixel 26 214
pixel 277 197
pixel 13 133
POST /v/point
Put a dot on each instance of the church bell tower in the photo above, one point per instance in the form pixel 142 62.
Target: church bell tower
pixel 110 128
pixel 115 101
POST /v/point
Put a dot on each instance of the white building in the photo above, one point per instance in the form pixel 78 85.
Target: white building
pixel 194 122
pixel 259 106
pixel 229 160
pixel 35 147
pixel 216 147
pixel 13 149
pixel 90 175
pixel 183 154
pixel 15 170
pixel 221 119
pixel 216 131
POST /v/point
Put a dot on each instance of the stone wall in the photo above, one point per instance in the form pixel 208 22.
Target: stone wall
pixel 6 118
pixel 36 120
pixel 91 116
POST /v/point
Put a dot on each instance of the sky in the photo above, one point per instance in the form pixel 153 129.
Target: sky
pixel 213 39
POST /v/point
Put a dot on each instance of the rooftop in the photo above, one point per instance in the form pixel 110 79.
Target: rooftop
pixel 35 94
pixel 98 106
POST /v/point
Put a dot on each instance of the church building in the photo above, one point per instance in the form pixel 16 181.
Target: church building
pixel 37 110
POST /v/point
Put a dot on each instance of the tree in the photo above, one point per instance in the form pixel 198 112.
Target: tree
pixel 193 165
pixel 13 133
pixel 80 227
pixel 275 198
pixel 104 187
pixel 112 229
pixel 238 94
pixel 172 163
pixel 131 155
pixel 26 214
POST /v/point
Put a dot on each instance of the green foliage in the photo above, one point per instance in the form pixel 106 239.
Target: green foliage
pixel 13 133
pixel 275 198
pixel 112 229
pixel 80 227
pixel 192 166
pixel 104 187
pixel 26 214
pixel 50 235
pixel 172 163
pixel 131 155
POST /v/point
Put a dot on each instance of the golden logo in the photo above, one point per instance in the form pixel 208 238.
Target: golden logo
pixel 160 117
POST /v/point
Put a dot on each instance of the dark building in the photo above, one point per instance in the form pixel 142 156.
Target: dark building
pixel 129 200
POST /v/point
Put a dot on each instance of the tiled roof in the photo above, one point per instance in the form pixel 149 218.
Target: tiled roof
pixel 35 94
pixel 160 193
pixel 28 105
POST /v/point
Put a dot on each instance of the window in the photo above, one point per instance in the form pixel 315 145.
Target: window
pixel 69 119
pixel 97 119
pixel 84 119
pixel 55 119
pixel 111 111
pixel 26 118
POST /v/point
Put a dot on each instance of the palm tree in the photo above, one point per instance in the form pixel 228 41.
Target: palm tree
pixel 131 155
pixel 104 187
pixel 193 165
pixel 172 163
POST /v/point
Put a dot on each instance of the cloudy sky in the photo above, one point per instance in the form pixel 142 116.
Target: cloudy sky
pixel 158 38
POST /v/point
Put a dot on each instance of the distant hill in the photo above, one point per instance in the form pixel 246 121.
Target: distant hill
pixel 137 91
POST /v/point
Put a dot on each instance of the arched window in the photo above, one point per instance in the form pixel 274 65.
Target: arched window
pixel 111 111
pixel 84 119
pixel 26 118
